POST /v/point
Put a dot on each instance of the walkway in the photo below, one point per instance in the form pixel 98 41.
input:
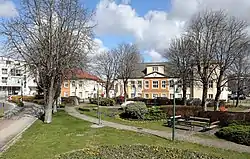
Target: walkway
pixel 167 135
pixel 11 129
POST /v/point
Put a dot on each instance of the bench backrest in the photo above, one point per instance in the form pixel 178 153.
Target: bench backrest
pixel 177 116
pixel 199 118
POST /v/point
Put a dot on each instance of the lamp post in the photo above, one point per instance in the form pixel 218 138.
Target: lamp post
pixel 173 126
pixel 98 106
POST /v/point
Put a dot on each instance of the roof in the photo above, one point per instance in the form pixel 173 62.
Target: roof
pixel 140 70
pixel 81 74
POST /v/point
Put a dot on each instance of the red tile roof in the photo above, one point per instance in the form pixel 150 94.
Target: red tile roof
pixel 80 74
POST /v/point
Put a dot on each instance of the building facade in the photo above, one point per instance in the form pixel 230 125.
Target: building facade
pixel 15 78
pixel 82 85
pixel 152 80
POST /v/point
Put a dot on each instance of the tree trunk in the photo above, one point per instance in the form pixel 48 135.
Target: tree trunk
pixel 107 92
pixel 218 92
pixel 204 96
pixel 125 90
pixel 184 89
pixel 238 98
pixel 55 106
pixel 49 103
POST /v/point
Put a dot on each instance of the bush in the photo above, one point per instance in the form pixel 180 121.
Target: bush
pixel 85 109
pixel 20 104
pixel 184 111
pixel 106 102
pixel 118 100
pixel 194 102
pixel 236 133
pixel 135 110
pixel 134 152
pixel 25 98
pixel 39 101
pixel 155 113
pixel 178 101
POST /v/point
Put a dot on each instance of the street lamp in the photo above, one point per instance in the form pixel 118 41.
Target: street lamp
pixel 98 110
pixel 176 90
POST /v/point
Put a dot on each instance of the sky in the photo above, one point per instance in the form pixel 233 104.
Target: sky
pixel 150 24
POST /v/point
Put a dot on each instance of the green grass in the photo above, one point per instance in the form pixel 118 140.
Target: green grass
pixel 155 125
pixel 1 112
pixel 65 133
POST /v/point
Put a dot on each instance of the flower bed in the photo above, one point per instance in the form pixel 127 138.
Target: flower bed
pixel 134 152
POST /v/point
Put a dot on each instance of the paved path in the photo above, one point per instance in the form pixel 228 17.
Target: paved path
pixel 12 128
pixel 179 136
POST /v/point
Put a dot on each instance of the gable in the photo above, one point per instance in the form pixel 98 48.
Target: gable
pixel 154 74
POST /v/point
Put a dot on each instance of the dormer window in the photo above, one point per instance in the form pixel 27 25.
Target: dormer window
pixel 155 68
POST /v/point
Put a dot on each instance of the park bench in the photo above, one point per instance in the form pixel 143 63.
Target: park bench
pixel 205 123
pixel 178 120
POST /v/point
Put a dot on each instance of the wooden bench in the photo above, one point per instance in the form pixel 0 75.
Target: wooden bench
pixel 205 123
pixel 178 120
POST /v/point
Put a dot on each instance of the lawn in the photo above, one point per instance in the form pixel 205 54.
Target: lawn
pixel 1 112
pixel 65 133
pixel 107 115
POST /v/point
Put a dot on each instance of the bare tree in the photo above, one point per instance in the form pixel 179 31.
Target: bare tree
pixel 232 44
pixel 129 57
pixel 106 67
pixel 203 31
pixel 180 61
pixel 51 36
pixel 240 75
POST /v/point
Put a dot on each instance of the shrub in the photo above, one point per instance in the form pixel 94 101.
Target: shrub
pixel 39 101
pixel 118 100
pixel 106 102
pixel 134 152
pixel 178 101
pixel 20 104
pixel 84 109
pixel 155 113
pixel 135 110
pixel 194 102
pixel 236 133
pixel 184 111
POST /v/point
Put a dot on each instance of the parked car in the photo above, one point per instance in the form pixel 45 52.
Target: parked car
pixel 234 97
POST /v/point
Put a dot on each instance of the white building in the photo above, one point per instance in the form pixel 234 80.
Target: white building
pixel 15 78
pixel 82 85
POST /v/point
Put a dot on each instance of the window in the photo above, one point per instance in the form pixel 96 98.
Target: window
pixel 80 94
pixel 171 83
pixel 73 93
pixel 132 95
pixel 188 96
pixel 4 79
pixel 73 83
pixel 155 84
pixel 4 70
pixel 12 72
pixel 155 95
pixel 171 96
pixel 66 94
pixel 18 73
pixel 146 84
pixel 179 96
pixel 210 96
pixel 163 95
pixel 80 84
pixel 179 83
pixel 146 95
pixel 139 95
pixel 132 83
pixel 66 84
pixel 163 84
pixel 210 84
pixel 139 84
pixel 155 69
pixel 8 62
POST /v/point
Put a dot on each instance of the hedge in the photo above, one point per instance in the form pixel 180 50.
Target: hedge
pixel 134 152
pixel 102 101
pixel 236 133
pixel 184 111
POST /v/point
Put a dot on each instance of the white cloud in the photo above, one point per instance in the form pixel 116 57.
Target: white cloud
pixel 98 47
pixel 154 30
pixel 156 57
pixel 7 8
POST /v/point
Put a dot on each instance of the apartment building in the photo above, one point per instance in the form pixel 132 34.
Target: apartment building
pixel 82 84
pixel 15 78
pixel 152 80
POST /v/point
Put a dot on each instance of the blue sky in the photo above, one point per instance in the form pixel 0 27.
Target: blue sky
pixel 151 24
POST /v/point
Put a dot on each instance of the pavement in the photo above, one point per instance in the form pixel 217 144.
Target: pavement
pixel 180 136
pixel 11 129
